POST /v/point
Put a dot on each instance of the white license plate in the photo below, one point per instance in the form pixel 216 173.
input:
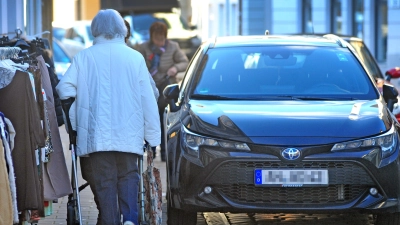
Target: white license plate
pixel 291 178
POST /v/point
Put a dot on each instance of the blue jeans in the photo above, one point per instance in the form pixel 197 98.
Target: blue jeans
pixel 115 180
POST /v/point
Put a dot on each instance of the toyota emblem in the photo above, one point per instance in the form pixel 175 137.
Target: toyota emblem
pixel 291 153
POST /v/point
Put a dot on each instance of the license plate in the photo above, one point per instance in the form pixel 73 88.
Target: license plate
pixel 291 178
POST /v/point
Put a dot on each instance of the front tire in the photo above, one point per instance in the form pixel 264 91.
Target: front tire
pixel 180 217
pixel 388 219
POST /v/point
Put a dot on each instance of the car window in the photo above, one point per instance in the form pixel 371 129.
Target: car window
pixel 283 71
pixel 190 71
pixel 367 58
pixel 59 54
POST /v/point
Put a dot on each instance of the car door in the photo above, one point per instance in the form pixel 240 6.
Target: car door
pixel 173 120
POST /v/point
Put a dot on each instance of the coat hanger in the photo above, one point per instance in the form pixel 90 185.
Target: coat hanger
pixel 9 52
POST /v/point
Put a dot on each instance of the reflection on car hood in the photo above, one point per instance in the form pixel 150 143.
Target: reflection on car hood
pixel 283 122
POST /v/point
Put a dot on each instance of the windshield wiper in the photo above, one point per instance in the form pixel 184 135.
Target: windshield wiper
pixel 317 98
pixel 213 97
pixel 278 97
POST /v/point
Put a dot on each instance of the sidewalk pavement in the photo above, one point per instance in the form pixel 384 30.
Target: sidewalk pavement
pixel 88 206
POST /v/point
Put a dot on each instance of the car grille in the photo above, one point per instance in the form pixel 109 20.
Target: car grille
pixel 235 179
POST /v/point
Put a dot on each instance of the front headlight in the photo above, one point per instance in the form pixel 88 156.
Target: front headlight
pixel 387 142
pixel 193 141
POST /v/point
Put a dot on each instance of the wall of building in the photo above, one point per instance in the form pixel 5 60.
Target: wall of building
pixel 11 16
pixel 89 9
pixel 64 12
pixel 257 17
pixel 321 18
pixel 33 17
pixel 393 38
pixel 375 21
pixel 219 20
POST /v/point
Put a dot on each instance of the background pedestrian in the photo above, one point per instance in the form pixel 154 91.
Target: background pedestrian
pixel 164 59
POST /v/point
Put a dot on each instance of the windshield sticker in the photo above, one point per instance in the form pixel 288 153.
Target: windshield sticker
pixel 341 57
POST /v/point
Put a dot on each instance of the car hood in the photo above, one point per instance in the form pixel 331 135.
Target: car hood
pixel 288 122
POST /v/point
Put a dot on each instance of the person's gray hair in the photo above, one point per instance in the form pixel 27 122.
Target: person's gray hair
pixel 108 23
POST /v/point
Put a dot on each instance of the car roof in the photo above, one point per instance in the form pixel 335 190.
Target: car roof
pixel 343 36
pixel 257 40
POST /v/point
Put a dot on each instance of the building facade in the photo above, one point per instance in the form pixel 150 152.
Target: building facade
pixel 32 17
pixel 375 21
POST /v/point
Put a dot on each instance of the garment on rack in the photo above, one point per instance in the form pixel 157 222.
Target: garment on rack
pixel 18 104
pixel 54 81
pixel 6 215
pixel 55 175
pixel 37 77
pixel 7 137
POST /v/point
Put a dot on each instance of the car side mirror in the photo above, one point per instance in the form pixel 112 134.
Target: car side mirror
pixel 390 94
pixel 393 73
pixel 171 94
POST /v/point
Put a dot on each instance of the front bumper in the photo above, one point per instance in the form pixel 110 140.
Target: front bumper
pixel 231 178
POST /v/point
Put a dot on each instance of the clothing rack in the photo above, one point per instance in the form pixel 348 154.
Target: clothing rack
pixel 38 149
pixel 27 58
pixel 9 52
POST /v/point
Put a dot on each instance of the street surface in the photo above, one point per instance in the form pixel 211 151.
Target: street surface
pixel 89 210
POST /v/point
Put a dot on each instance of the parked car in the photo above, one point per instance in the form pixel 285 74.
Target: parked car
pixel 62 60
pixel 290 124
pixel 80 31
pixel 58 33
pixel 178 29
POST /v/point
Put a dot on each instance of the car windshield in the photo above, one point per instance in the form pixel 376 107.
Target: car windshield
pixel 282 72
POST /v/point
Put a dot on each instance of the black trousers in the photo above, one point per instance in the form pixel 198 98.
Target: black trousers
pixel 86 172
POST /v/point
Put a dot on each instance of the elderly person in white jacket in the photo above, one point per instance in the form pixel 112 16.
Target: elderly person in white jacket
pixel 114 111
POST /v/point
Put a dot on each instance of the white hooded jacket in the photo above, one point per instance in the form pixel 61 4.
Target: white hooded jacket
pixel 115 108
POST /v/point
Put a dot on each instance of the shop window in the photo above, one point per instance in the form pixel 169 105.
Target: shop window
pixel 307 26
pixel 381 29
pixel 337 17
pixel 358 18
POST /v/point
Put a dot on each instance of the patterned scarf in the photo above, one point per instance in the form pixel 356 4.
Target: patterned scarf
pixel 155 57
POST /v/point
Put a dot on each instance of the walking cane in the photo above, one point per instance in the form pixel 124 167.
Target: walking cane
pixel 66 105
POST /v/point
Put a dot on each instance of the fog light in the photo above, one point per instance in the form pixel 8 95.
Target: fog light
pixel 373 191
pixel 207 190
